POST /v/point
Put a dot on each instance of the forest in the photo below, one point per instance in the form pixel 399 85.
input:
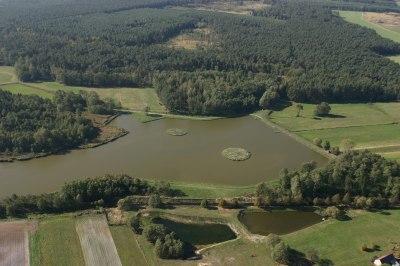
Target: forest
pixel 295 50
pixel 31 124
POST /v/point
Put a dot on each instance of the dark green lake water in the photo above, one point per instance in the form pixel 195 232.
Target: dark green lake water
pixel 199 234
pixel 148 152
pixel 278 222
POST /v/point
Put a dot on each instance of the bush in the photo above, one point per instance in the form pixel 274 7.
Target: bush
pixel 333 212
pixel 312 256
pixel 155 231
pixel 364 247
pixel 318 142
pixel 154 201
pixel 170 247
pixel 204 204
pixel 3 211
pixel 327 145
pixel 222 203
pixel 272 240
pixel 258 202
pixel 347 144
pixel 322 109
pixel 335 150
pixel 135 225
pixel 281 253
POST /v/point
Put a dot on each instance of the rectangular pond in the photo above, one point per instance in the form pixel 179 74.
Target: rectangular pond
pixel 149 152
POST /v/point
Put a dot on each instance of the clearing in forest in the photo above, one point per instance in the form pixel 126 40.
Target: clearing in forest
pixel 97 243
pixel 14 242
pixel 7 75
pixel 232 7
pixel 197 38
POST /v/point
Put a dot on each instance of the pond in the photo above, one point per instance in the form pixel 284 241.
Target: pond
pixel 278 222
pixel 199 234
pixel 149 152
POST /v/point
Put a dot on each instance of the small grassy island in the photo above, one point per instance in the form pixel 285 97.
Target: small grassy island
pixel 178 132
pixel 236 154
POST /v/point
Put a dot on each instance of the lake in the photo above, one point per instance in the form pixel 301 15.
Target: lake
pixel 148 152
pixel 278 222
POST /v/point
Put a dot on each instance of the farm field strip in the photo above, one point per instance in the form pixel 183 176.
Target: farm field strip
pixel 14 243
pixel 97 243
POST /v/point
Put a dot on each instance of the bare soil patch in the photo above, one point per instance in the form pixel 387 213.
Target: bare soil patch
pixel 14 242
pixel 383 19
pixel 97 243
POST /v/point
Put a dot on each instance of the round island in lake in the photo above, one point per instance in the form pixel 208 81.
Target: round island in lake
pixel 176 132
pixel 236 154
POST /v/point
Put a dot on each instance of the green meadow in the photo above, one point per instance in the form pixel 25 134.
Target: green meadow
pixel 56 242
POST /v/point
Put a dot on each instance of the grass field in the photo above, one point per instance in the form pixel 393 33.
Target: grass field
pixel 367 125
pixel 56 242
pixel 7 75
pixel 130 98
pixel 96 241
pixel 341 241
pixel 127 247
pixel 357 18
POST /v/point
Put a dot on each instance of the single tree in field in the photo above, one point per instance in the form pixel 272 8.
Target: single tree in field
pixel 281 253
pixel 299 108
pixel 347 144
pixel 327 145
pixel 322 109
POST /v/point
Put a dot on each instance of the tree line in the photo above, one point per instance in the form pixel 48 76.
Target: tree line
pixel 359 179
pixel 81 194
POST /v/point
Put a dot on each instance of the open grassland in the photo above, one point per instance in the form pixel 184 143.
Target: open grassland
pixel 14 242
pixel 127 246
pixel 374 126
pixel 56 242
pixel 130 98
pixel 18 88
pixel 7 75
pixel 96 240
pixel 358 18
pixel 341 241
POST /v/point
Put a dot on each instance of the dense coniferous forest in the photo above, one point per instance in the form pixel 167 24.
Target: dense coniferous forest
pixel 298 50
pixel 33 124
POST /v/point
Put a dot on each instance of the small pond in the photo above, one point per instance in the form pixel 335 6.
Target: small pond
pixel 278 222
pixel 199 234
pixel 149 152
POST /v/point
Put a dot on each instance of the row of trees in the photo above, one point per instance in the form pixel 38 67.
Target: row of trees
pixel 81 194
pixel 356 178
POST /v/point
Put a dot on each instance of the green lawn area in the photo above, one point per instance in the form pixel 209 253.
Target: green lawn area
pixel 343 115
pixel 362 136
pixel 367 125
pixel 18 88
pixel 130 98
pixel 128 250
pixel 7 74
pixel 56 242
pixel 341 241
pixel 357 18
pixel 193 190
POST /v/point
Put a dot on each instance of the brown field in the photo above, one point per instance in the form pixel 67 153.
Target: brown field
pixel 383 19
pixel 14 242
pixel 97 243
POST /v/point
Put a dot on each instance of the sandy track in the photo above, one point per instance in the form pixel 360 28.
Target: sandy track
pixel 14 242
pixel 97 243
